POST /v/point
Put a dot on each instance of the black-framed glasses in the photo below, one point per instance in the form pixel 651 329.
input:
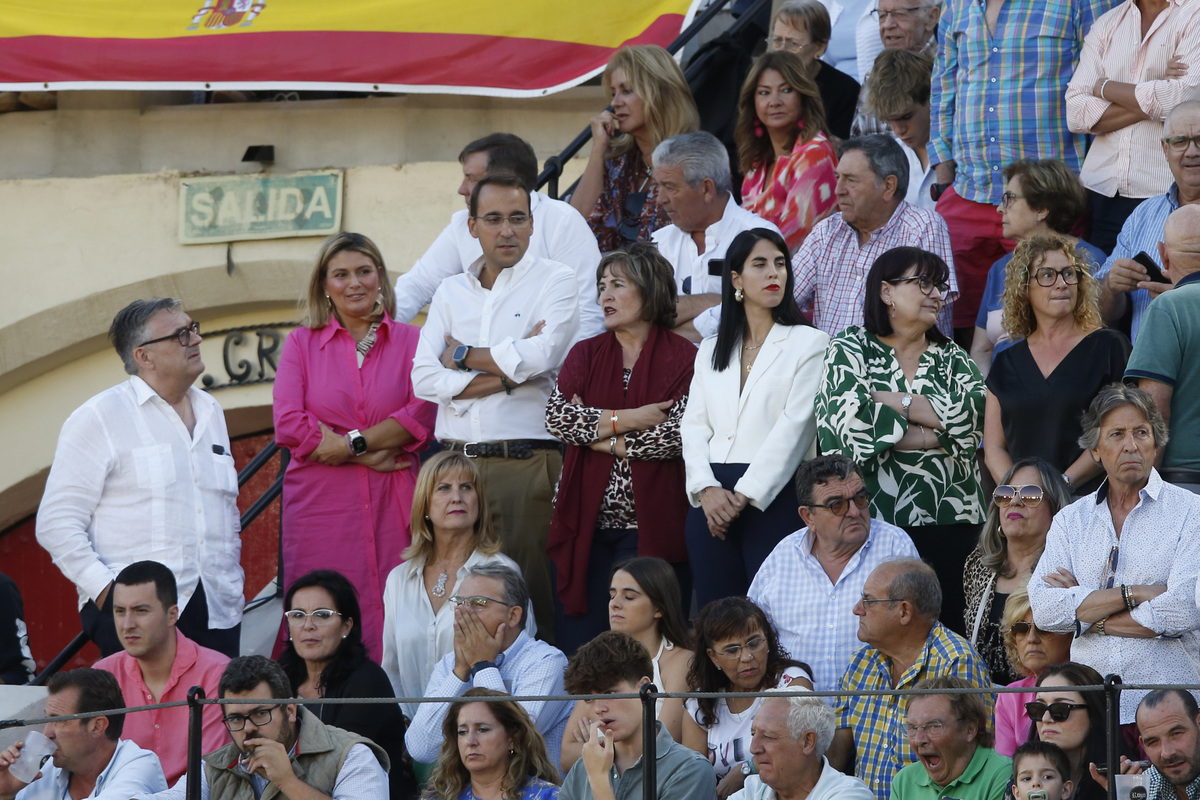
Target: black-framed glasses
pixel 1007 198
pixel 496 221
pixel 475 600
pixel 1030 495
pixel 1048 276
pixel 734 651
pixel 183 335
pixel 1059 711
pixel 925 283
pixel 320 616
pixel 899 14
pixel 841 505
pixel 1180 143
pixel 932 729
pixel 259 716
pixel 866 601
pixel 630 226
pixel 1024 628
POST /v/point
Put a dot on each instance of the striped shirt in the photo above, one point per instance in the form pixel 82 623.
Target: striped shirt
pixel 999 97
pixel 877 722
pixel 830 267
pixel 1130 160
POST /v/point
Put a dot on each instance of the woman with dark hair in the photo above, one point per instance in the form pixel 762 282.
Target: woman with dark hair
pixel 325 657
pixel 645 603
pixel 783 147
pixel 906 404
pixel 1075 722
pixel 491 751
pixel 1012 540
pixel 737 650
pixel 1039 387
pixel 345 407
pixel 749 420
pixel 617 405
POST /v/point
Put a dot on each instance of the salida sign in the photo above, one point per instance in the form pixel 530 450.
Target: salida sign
pixel 236 207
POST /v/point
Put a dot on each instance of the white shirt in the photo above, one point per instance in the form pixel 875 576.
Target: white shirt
pixel 832 785
pixel 919 179
pixel 129 483
pixel 132 772
pixel 560 233
pixel 500 318
pixel 813 615
pixel 415 638
pixel 1158 545
pixel 691 266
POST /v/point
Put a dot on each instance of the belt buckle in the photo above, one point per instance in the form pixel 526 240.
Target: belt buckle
pixel 467 449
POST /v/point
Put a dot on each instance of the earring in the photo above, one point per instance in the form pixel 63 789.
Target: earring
pixel 512 752
pixel 758 129
pixel 738 295
pixel 891 309
pixel 800 123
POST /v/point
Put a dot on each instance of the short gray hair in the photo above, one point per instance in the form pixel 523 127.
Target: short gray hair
pixel 516 593
pixel 917 583
pixel 806 713
pixel 1108 400
pixel 822 469
pixel 128 329
pixel 884 157
pixel 700 155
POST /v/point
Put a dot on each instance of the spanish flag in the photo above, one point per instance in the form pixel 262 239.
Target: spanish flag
pixel 518 48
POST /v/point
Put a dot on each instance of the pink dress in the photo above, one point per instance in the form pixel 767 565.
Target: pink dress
pixel 796 191
pixel 1012 724
pixel 348 518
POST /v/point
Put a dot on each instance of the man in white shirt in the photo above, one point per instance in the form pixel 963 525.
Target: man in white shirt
pixel 899 89
pixel 92 761
pixel 144 471
pixel 490 349
pixel 810 582
pixel 692 172
pixel 560 233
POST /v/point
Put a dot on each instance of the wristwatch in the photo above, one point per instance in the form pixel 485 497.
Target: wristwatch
pixel 356 442
pixel 748 767
pixel 905 403
pixel 936 189
pixel 460 356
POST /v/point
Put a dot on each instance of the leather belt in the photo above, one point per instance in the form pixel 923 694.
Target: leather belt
pixel 1179 475
pixel 510 448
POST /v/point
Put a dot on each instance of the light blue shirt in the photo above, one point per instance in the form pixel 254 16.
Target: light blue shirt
pixel 1142 231
pixel 131 772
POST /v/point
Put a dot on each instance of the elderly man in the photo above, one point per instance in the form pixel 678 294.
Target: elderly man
pixel 905 26
pixel 559 233
pixel 872 217
pixel 810 582
pixel 92 761
pixel 957 753
pixel 898 620
pixel 692 172
pixel 144 471
pixel 1119 568
pixel 492 650
pixel 1169 726
pixel 790 736
pixel 1121 276
pixel 1166 360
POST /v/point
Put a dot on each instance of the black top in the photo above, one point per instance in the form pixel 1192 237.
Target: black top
pixel 16 663
pixel 382 723
pixel 1040 414
pixel 839 93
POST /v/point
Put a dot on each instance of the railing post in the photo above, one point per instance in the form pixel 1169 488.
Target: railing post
pixel 195 732
pixel 554 168
pixel 649 698
pixel 1112 699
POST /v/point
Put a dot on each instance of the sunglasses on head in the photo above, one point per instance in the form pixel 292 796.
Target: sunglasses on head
pixel 1058 711
pixel 1029 495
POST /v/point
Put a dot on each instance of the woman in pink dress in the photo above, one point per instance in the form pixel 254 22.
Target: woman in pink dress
pixel 783 147
pixel 344 406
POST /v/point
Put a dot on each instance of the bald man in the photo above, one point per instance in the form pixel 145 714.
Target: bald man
pixel 1166 357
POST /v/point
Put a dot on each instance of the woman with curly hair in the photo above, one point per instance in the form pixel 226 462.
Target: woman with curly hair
pixel 491 751
pixel 783 147
pixel 1038 388
pixel 737 650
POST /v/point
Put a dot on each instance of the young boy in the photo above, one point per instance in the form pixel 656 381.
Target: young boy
pixel 611 766
pixel 1041 767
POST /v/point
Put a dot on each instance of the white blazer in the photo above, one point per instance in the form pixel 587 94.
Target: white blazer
pixel 769 424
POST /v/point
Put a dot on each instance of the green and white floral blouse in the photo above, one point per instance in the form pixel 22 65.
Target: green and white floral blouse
pixel 908 488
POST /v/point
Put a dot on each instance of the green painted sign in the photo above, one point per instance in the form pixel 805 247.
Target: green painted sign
pixel 237 207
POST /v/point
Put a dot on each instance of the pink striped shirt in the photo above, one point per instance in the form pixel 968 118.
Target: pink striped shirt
pixel 1130 160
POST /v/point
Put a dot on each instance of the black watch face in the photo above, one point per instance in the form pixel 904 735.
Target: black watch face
pixel 359 445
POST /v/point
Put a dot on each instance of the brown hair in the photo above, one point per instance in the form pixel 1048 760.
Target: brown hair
pixel 897 77
pixel 316 307
pixel 754 150
pixel 1049 185
pixel 967 707
pixel 651 274
pixel 605 661
pixel 1018 318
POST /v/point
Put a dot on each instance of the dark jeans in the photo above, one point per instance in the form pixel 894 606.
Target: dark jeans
pixel 945 548
pixel 1108 215
pixel 192 623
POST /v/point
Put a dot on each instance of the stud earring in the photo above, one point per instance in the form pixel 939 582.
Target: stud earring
pixel 758 129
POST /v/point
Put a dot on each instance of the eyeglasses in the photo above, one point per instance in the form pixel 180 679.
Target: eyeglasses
pixel 260 717
pixel 476 600
pixel 899 14
pixel 1180 143
pixel 866 601
pixel 734 651
pixel 1023 628
pixel 1030 495
pixel 925 283
pixel 1047 276
pixel 841 505
pixel 932 729
pixel 1007 199
pixel 1059 712
pixel 631 224
pixel 320 616
pixel 790 45
pixel 496 221
pixel 183 335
